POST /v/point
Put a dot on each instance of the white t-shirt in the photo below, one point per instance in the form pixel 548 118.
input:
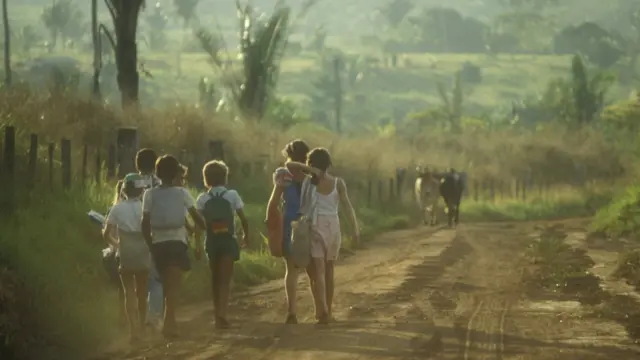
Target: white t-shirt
pixel 161 235
pixel 231 196
pixel 126 215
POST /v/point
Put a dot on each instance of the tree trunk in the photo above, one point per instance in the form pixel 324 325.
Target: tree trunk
pixel 126 25
pixel 7 44
pixel 97 49
pixel 127 64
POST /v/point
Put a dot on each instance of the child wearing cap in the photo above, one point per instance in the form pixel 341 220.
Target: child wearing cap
pixel 135 259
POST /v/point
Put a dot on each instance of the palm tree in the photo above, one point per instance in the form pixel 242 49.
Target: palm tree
pixel 186 10
pixel 124 14
pixel 7 44
pixel 262 46
pixel 55 18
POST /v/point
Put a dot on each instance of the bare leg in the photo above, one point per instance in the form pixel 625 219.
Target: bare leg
pixel 171 281
pixel 215 286
pixel 142 279
pixel 225 273
pixel 130 303
pixel 330 285
pixel 311 273
pixel 291 288
pixel 321 290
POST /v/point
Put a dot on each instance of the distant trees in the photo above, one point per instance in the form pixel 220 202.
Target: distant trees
pixel 64 21
pixel 124 15
pixel 7 43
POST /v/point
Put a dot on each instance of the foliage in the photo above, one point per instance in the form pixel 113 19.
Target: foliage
pixel 157 22
pixel 262 47
pixel 621 217
pixel 598 45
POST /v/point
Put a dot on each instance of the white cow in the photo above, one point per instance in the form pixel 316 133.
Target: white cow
pixel 427 192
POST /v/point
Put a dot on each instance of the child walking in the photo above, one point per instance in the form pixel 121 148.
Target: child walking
pixel 163 226
pixel 135 260
pixel 110 260
pixel 218 206
pixel 145 164
pixel 329 192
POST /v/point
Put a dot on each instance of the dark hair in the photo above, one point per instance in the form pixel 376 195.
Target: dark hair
pixel 167 168
pixel 131 191
pixel 318 158
pixel 146 160
pixel 215 173
pixel 296 150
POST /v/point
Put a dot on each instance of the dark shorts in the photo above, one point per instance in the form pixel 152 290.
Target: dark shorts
pixel 222 248
pixel 171 253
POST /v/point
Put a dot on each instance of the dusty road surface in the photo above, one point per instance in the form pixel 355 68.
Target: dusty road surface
pixel 414 294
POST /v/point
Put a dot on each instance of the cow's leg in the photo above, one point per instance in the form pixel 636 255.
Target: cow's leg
pixel 435 210
pixel 458 199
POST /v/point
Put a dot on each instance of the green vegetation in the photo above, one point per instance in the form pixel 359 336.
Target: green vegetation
pixel 521 105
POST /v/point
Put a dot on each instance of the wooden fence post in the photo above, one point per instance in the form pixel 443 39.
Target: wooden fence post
pixel 127 142
pixel 98 166
pixel 51 149
pixel 476 191
pixel 380 194
pixel 517 194
pixel 85 155
pixel 9 156
pixel 369 192
pixel 391 190
pixel 33 160
pixel 492 189
pixel 111 162
pixel 65 156
pixel 524 189
pixel 9 153
pixel 401 173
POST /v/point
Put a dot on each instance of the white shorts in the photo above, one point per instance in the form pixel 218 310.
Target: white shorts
pixel 327 239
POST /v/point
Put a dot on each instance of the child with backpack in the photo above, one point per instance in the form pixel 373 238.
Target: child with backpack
pixel 123 221
pixel 163 226
pixel 218 207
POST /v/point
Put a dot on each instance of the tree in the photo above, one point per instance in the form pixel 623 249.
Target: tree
pixel 125 14
pixel 394 12
pixel 453 104
pixel 7 43
pixel 263 41
pixel 28 37
pixel 186 10
pixel 157 22
pixel 55 18
pixel 588 93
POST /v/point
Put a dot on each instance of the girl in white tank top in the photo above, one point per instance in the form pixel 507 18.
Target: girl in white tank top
pixel 329 192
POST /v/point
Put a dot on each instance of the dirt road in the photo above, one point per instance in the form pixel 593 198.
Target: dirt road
pixel 414 294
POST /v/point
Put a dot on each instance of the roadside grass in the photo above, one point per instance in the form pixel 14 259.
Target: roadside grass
pixel 559 203
pixel 57 259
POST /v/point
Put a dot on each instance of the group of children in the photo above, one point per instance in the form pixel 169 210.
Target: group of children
pixel 148 228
